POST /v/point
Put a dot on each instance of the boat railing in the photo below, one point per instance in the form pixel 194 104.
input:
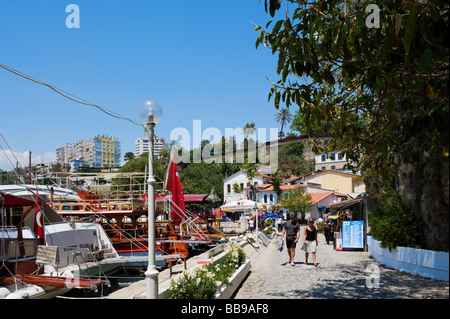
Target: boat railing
pixel 18 244
pixel 75 253
pixel 97 205
pixel 126 233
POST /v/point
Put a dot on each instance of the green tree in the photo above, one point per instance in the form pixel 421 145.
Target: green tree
pixel 251 169
pixel 249 129
pixel 138 164
pixel 128 156
pixel 291 160
pixel 299 125
pixel 383 90
pixel 276 182
pixel 395 225
pixel 283 117
pixel 236 188
pixel 297 201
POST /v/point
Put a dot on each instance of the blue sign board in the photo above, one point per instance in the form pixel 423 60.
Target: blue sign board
pixel 352 234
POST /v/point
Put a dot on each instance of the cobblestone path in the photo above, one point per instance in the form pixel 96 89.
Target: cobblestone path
pixel 339 275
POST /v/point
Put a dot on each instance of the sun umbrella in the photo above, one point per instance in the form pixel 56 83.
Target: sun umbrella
pixel 270 215
pixel 244 205
pixel 259 214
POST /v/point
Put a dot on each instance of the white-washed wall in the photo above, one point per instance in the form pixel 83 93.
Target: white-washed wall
pixel 425 263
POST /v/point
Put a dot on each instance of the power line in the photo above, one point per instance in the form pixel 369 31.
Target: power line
pixel 70 96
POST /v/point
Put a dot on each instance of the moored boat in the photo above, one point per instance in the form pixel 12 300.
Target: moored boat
pixel 22 274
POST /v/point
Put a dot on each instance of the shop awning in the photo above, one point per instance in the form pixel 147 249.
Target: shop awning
pixel 345 204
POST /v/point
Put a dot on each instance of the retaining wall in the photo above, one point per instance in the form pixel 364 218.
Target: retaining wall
pixel 425 263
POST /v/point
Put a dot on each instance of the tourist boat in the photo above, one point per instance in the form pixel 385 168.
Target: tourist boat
pixel 23 256
pixel 124 219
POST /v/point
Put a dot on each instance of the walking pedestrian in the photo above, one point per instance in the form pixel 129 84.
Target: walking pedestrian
pixel 327 230
pixel 251 225
pixel 309 236
pixel 292 230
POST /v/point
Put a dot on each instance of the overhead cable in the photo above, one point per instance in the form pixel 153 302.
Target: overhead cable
pixel 69 95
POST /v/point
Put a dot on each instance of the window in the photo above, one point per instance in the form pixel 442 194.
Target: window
pixel 324 168
pixel 271 198
pixel 340 156
pixel 333 167
pixel 333 157
pixel 265 198
pixel 228 188
pixel 242 186
pixel 324 158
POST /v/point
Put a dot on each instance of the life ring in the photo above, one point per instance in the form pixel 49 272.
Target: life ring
pixel 96 207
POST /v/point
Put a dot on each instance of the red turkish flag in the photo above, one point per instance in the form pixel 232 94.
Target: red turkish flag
pixel 39 222
pixel 173 184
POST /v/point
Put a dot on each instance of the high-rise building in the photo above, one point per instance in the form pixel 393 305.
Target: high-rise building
pixel 98 151
pixel 141 145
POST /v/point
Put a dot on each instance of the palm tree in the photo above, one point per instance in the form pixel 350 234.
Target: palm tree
pixel 283 117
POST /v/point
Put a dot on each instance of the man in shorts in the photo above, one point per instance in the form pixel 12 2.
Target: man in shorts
pixel 292 230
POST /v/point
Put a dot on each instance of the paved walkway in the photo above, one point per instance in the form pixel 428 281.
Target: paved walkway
pixel 339 275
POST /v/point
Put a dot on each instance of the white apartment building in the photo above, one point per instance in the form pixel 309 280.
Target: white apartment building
pixel 141 145
pixel 64 154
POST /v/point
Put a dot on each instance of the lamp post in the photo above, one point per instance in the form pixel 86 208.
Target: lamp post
pixel 151 113
pixel 257 217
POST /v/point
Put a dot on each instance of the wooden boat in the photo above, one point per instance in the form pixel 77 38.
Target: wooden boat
pixel 22 274
pixel 124 220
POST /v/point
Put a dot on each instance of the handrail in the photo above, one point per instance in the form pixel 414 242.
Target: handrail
pixel 21 244
pixel 76 252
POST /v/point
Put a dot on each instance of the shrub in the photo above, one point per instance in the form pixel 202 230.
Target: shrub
pixel 195 283
pixel 394 224
pixel 268 222
pixel 201 282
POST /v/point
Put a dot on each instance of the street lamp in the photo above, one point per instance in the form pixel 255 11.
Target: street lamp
pixel 257 211
pixel 151 113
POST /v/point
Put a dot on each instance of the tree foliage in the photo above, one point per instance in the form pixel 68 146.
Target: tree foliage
pixel 291 160
pixel 383 90
pixel 395 225
pixel 370 83
pixel 283 117
pixel 297 201
pixel 139 164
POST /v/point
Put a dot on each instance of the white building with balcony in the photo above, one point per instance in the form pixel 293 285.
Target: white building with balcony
pixel 141 145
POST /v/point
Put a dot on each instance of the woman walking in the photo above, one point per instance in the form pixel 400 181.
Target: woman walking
pixel 309 237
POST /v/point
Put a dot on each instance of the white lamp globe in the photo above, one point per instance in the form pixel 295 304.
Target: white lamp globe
pixel 151 112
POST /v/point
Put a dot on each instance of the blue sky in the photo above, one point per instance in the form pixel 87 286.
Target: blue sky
pixel 196 58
